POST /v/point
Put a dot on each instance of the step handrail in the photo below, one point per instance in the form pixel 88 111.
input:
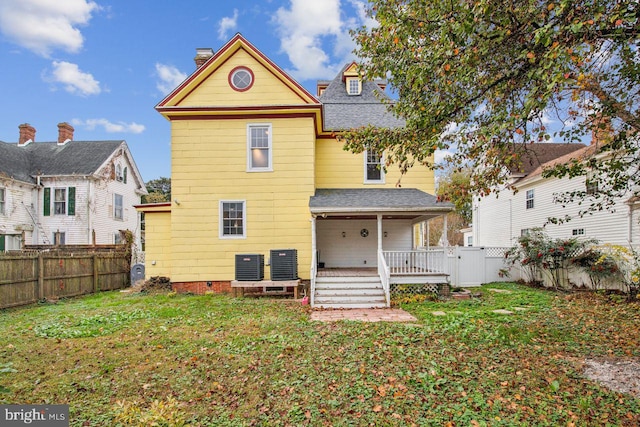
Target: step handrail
pixel 383 272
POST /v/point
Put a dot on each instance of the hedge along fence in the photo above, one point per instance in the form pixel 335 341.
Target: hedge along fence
pixel 26 278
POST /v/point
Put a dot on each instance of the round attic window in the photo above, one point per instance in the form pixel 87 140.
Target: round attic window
pixel 241 79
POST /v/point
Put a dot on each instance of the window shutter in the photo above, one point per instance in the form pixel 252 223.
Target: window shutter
pixel 124 175
pixel 71 209
pixel 2 242
pixel 47 202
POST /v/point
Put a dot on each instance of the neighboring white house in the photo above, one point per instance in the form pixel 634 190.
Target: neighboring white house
pixel 67 192
pixel 501 220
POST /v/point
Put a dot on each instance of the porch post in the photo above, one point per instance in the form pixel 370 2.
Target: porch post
pixel 444 231
pixel 379 232
pixel 314 251
pixel 428 233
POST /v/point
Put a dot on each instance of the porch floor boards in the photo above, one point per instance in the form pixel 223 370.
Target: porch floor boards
pixel 347 272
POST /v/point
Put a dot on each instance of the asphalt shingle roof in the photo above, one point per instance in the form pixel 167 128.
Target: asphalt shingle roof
pixel 343 111
pixel 49 158
pixel 535 155
pixel 371 199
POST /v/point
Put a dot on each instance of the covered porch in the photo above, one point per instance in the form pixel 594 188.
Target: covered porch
pixel 366 240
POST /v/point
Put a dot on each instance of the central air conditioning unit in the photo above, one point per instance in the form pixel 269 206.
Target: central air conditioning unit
pixel 284 264
pixel 249 267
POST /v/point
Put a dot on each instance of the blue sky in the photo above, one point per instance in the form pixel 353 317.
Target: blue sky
pixel 103 66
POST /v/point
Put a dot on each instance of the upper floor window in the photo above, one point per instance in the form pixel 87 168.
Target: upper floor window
pixel 591 183
pixel 64 201
pixel 60 201
pixel 259 148
pixel 354 86
pixel 374 172
pixel 2 200
pixel 232 219
pixel 529 199
pixel 118 206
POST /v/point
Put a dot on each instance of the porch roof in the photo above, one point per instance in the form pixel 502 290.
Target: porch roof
pixel 378 200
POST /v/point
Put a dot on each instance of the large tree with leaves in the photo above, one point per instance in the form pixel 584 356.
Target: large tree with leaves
pixel 159 190
pixel 488 77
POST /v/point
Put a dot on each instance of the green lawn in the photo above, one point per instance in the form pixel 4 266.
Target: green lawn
pixel 128 359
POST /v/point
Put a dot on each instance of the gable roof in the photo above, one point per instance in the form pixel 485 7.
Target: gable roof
pixel 578 154
pixel 375 200
pixel 238 42
pixel 532 156
pixel 81 158
pixel 343 111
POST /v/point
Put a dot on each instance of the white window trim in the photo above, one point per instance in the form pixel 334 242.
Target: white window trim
pixel 366 170
pixel 65 201
pixel 221 234
pixel 532 199
pixel 348 85
pixel 114 207
pixel 270 142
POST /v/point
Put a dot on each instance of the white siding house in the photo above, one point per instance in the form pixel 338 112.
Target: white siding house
pixel 67 192
pixel 501 220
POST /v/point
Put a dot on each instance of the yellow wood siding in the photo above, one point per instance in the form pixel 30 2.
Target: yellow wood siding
pixel 158 244
pixel 336 168
pixel 209 163
pixel 266 89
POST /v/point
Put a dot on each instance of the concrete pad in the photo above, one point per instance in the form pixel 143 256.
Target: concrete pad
pixel 499 291
pixel 519 309
pixel 363 315
pixel 438 313
pixel 501 311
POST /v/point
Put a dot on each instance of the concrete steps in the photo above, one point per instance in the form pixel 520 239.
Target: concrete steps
pixel 349 292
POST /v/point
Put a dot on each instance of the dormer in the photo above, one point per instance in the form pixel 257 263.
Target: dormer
pixel 352 79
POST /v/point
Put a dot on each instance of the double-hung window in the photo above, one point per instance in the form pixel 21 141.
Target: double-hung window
pixel 259 148
pixel 232 219
pixel 60 201
pixel 3 200
pixel 529 199
pixel 118 206
pixel 373 168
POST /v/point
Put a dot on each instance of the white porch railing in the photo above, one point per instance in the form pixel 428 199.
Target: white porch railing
pixel 415 262
pixel 383 272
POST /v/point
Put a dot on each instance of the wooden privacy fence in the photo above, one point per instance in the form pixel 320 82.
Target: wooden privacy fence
pixel 26 278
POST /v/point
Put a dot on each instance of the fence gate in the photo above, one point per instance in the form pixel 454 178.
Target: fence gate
pixel 469 266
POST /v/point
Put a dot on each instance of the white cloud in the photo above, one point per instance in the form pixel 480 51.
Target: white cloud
pixel 303 28
pixel 74 80
pixel 170 77
pixel 42 26
pixel 110 127
pixel 227 24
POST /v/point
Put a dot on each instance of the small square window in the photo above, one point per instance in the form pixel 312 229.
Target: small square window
pixel 60 201
pixel 525 232
pixel 232 219
pixel 59 238
pixel 530 199
pixel 577 232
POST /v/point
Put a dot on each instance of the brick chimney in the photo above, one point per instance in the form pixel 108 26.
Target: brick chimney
pixel 65 133
pixel 27 134
pixel 202 55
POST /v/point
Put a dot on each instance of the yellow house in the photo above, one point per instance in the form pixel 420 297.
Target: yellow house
pixel 257 173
